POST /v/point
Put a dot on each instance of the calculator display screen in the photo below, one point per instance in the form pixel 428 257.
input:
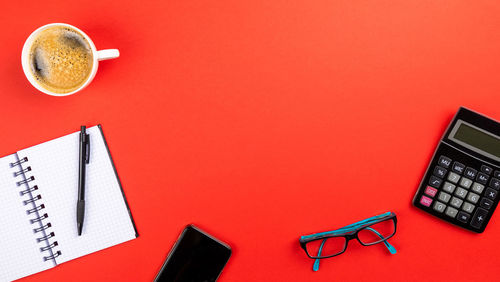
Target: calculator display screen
pixel 476 139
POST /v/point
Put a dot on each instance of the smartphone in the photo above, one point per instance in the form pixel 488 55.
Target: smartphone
pixel 195 257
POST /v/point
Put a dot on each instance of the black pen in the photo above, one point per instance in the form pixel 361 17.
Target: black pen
pixel 84 160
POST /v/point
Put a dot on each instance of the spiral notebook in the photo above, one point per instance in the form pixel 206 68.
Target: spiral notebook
pixel 38 195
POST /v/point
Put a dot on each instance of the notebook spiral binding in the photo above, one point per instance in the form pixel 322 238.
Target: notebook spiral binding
pixel 36 209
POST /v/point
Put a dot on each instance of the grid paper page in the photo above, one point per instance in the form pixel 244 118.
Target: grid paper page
pixel 20 254
pixel 55 166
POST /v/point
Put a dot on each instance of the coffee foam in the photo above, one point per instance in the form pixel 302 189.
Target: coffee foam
pixel 60 59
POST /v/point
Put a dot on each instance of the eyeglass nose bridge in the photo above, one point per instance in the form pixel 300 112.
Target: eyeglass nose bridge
pixel 351 236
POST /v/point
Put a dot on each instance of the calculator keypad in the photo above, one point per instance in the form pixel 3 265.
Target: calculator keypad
pixel 434 181
pixel 468 207
pixel 479 217
pixel 440 172
pixel 444 161
pixel 465 182
pixel 456 202
pixel 495 183
pixel 486 169
pixel 461 192
pixel 439 207
pixel 453 177
pixel 478 188
pixel 485 203
pixel 473 198
pixel 444 197
pixel 448 187
pixel 430 191
pixel 482 178
pixel 463 217
pixel 451 212
pixel 496 174
pixel 490 194
pixel 426 201
pixel 470 173
pixel 458 167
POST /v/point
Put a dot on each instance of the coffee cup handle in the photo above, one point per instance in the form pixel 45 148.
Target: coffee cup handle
pixel 107 54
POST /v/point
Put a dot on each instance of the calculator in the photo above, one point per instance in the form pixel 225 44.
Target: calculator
pixel 462 183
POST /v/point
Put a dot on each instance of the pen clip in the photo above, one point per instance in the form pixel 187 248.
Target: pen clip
pixel 87 149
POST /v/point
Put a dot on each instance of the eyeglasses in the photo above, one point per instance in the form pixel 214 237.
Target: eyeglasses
pixel 371 231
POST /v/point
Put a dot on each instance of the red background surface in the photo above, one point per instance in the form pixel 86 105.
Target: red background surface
pixel 261 121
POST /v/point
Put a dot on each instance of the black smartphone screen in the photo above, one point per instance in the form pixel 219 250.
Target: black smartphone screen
pixel 195 257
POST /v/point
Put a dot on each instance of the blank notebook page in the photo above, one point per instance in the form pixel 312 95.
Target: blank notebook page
pixel 55 167
pixel 20 254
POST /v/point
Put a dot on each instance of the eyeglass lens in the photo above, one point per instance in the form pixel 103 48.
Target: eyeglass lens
pixel 326 247
pixel 377 232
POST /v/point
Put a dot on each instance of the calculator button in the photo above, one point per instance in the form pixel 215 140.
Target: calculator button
pixel 463 217
pixel 434 181
pixel 496 174
pixel 451 212
pixel 458 167
pixel 478 218
pixel 444 197
pixel 465 182
pixel 478 188
pixel 456 202
pixel 453 177
pixel 486 169
pixel 495 183
pixel 461 192
pixel 473 198
pixel 482 178
pixel 425 201
pixel 439 206
pixel 468 207
pixel 448 187
pixel 470 173
pixel 440 172
pixel 486 203
pixel 444 161
pixel 490 193
pixel 430 191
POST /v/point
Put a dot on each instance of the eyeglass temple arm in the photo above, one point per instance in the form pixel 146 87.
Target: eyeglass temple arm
pixel 316 261
pixel 351 227
pixel 356 225
pixel 390 247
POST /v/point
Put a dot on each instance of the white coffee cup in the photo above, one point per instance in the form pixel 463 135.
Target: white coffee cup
pixel 96 55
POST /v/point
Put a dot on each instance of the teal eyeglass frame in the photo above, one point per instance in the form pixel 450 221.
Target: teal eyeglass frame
pixel 350 232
